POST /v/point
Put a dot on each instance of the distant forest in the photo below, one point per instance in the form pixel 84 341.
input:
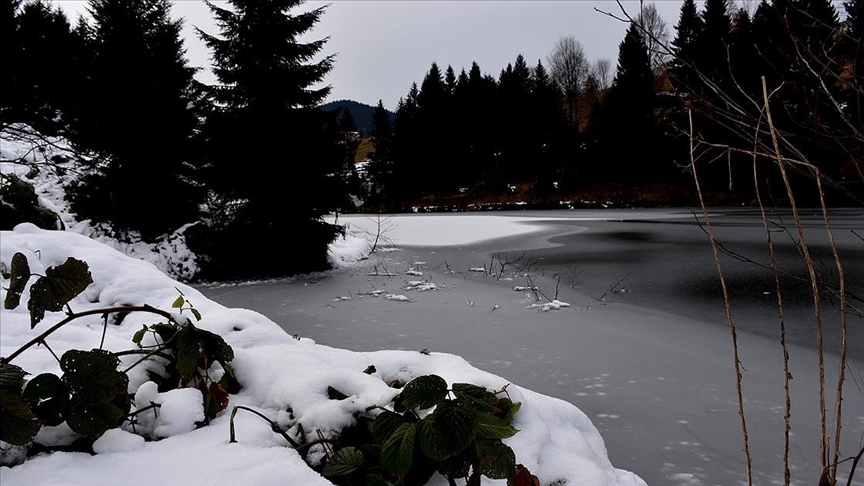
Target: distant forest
pixel 360 112
pixel 258 151
pixel 595 133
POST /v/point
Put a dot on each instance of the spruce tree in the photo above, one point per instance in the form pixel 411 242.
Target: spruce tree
pixel 272 152
pixel 773 42
pixel 432 140
pixel 39 44
pixel 550 124
pixel 745 64
pixel 689 30
pixel 713 43
pixel 407 139
pixel 349 137
pixel 381 157
pixel 630 106
pixel 135 117
pixel 819 24
pixel 484 122
pixel 450 80
pixel 519 139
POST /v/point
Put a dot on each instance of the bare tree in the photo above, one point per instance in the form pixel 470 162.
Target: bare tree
pixel 655 34
pixel 569 69
pixel 601 71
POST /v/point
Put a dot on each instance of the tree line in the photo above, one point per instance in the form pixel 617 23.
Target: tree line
pixel 256 161
pixel 571 126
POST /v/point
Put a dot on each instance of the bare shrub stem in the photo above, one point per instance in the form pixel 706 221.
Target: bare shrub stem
pixel 727 305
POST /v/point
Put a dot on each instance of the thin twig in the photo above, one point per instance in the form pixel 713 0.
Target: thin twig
pixel 727 305
pixel 40 338
pixel 787 411
pixel 823 441
pixel 273 425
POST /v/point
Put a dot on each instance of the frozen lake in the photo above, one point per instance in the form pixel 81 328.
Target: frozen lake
pixel 651 363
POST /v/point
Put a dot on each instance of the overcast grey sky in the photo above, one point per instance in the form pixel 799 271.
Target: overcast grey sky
pixel 384 46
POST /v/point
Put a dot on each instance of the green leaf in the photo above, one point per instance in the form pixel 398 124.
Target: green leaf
pixel 167 332
pixel 397 453
pixel 446 431
pixel 20 275
pixel 229 380
pixel 457 466
pixel 335 394
pixel 196 348
pixel 18 425
pixel 423 392
pixel 69 279
pixel 189 348
pixel 475 397
pixel 138 336
pixel 492 427
pixel 385 424
pixel 178 302
pixel 344 462
pixel 48 398
pixel 195 313
pixel 215 347
pixel 12 377
pixel 89 419
pixel 511 412
pixel 497 460
pixel 92 376
pixel 60 285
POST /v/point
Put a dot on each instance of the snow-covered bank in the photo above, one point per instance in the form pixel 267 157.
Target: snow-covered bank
pixel 556 440
pixel 49 164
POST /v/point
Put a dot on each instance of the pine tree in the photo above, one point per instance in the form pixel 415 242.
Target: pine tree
pixel 461 83
pixel 271 149
pixel 349 137
pixel 138 96
pixel 772 43
pixel 433 92
pixel 450 80
pixel 39 45
pixel 519 139
pixel 630 111
pixel 685 48
pixel 745 64
pixel 381 158
pixel 407 136
pixel 713 43
pixel 550 122
pixel 818 24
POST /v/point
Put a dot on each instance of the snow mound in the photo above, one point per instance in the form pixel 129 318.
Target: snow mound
pixel 349 249
pixel 548 306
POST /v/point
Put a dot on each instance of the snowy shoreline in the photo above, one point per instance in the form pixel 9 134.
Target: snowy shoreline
pixel 556 441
